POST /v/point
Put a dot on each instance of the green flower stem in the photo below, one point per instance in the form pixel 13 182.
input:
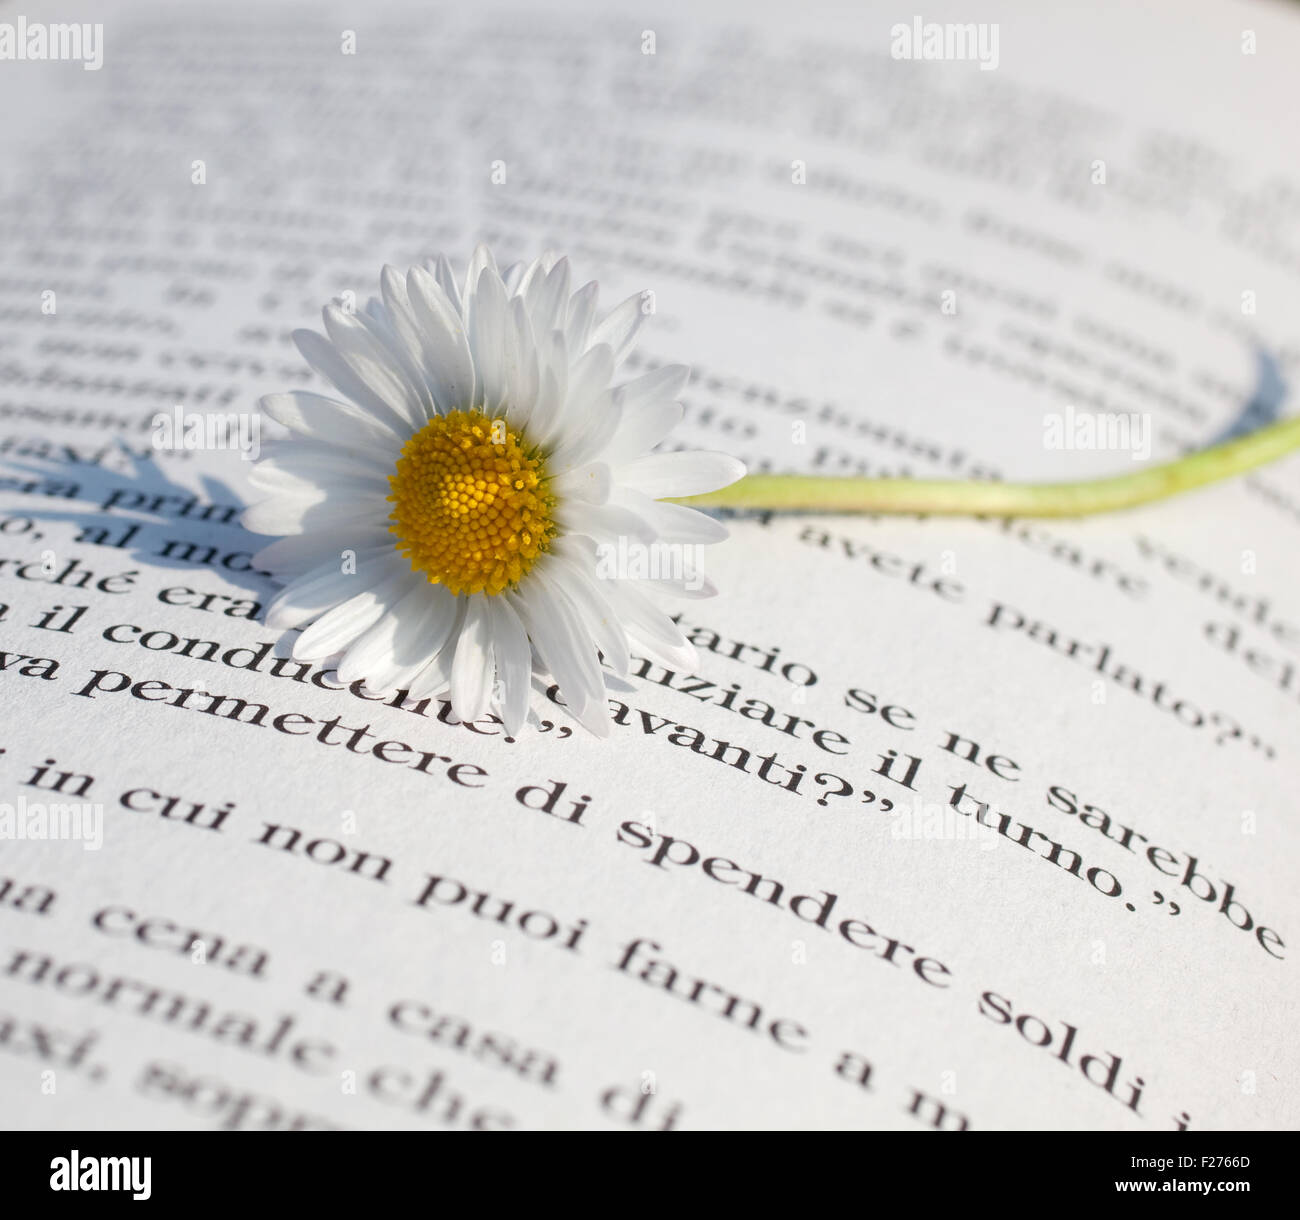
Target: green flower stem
pixel 834 494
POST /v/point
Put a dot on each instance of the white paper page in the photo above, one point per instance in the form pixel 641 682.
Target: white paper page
pixel 755 904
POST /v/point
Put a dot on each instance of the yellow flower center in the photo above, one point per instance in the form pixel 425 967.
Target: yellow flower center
pixel 471 506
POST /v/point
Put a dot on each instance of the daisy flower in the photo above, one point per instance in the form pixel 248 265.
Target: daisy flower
pixel 479 500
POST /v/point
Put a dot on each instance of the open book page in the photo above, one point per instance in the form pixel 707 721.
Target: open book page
pixel 956 823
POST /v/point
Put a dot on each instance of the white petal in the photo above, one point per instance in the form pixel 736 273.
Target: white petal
pixel 442 272
pixel 473 668
pixel 301 455
pixel 668 522
pixel 328 362
pixel 548 411
pixel 378 321
pixel 480 259
pixel 337 628
pixel 288 558
pixel 656 633
pixel 548 299
pixel 567 652
pixel 603 522
pixel 579 585
pixel 594 560
pixel 533 273
pixel 514 658
pixel 512 275
pixel 406 331
pixel 662 384
pixel 288 513
pixel 586 435
pixel 580 314
pixel 589 379
pixel 619 327
pixel 689 473
pixel 522 372
pixel 591 482
pixel 327 585
pixel 422 636
pixel 447 358
pixel 315 461
pixel 397 643
pixel 433 678
pixel 375 365
pixel 485 324
pixel 272 476
pixel 332 422
pixel 640 430
pixel 589 417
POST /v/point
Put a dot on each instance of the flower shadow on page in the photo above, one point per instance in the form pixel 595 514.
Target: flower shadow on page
pixel 1264 406
pixel 134 517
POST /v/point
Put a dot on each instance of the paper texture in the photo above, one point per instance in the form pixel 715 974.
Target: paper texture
pixel 767 899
